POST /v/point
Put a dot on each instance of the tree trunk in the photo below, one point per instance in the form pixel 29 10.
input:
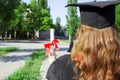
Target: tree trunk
pixel 14 34
pixel 33 35
pixel 28 35
pixel 5 34
pixel 10 36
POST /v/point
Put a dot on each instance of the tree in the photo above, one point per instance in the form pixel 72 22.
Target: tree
pixel 72 21
pixel 20 17
pixel 17 22
pixel 32 18
pixel 7 8
pixel 38 16
pixel 118 16
pixel 46 21
pixel 58 25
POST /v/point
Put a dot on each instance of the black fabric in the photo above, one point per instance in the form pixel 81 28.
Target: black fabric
pixel 98 17
pixel 100 4
pixel 97 14
pixel 70 46
pixel 61 69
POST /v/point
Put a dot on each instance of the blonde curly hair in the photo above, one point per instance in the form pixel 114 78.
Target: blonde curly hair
pixel 98 53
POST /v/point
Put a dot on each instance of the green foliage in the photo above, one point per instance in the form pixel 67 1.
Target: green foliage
pixel 58 26
pixel 39 15
pixel 46 21
pixel 32 16
pixel 31 69
pixel 118 16
pixel 18 16
pixel 72 19
pixel 63 41
pixel 17 21
pixel 36 54
pixel 7 12
pixel 5 50
pixel 43 4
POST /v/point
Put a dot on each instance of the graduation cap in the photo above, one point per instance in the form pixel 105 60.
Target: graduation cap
pixel 97 14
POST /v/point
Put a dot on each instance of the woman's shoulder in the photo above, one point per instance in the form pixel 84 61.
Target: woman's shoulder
pixel 64 59
pixel 61 68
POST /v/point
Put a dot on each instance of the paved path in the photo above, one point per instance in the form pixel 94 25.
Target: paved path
pixel 46 63
pixel 14 60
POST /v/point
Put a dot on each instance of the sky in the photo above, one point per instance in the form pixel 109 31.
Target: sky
pixel 57 9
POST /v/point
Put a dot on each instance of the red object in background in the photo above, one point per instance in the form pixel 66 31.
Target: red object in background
pixel 54 42
pixel 47 52
pixel 56 47
pixel 48 46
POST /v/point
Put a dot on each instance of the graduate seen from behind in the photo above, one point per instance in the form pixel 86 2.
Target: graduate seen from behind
pixel 96 52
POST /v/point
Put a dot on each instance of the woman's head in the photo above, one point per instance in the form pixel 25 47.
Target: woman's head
pixel 98 51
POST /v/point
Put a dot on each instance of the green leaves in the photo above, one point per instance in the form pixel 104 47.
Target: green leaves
pixel 18 16
pixel 72 19
pixel 7 12
pixel 6 50
pixel 39 16
pixel 118 16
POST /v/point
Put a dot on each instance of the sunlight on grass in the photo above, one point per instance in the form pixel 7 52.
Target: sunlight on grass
pixel 63 41
pixel 5 50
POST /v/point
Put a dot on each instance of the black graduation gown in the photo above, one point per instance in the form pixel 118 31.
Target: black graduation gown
pixel 61 69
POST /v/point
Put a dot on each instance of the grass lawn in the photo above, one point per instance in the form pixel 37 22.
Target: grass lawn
pixel 63 41
pixel 5 50
pixel 31 69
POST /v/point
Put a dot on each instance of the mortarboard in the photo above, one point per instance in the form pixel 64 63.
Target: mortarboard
pixel 97 14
